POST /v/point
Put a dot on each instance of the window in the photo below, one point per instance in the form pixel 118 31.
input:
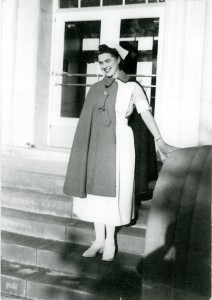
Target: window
pixel 99 3
pixel 81 41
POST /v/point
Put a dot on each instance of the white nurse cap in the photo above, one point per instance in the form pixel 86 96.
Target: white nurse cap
pixel 122 52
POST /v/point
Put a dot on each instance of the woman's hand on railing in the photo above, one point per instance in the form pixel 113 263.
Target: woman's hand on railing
pixel 165 148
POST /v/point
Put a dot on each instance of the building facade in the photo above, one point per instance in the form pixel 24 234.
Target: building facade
pixel 46 42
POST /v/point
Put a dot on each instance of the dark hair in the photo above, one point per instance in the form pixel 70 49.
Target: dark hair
pixel 105 49
pixel 113 51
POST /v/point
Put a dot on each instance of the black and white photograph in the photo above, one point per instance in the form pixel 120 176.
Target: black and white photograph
pixel 106 149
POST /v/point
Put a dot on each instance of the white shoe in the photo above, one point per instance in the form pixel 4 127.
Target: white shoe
pixel 109 252
pixel 94 249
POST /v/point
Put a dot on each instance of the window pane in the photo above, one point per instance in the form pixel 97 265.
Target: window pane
pixel 68 3
pixel 135 1
pixel 112 2
pixel 153 1
pixel 139 27
pixel 81 42
pixel 137 36
pixel 89 3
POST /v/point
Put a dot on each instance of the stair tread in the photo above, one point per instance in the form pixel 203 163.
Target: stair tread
pixel 10 212
pixel 24 192
pixel 101 287
pixel 39 166
pixel 9 297
pixel 38 274
pixel 22 240
pixel 61 221
pixel 54 205
pixel 62 248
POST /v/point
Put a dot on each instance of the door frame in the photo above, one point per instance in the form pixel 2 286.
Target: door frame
pixel 116 13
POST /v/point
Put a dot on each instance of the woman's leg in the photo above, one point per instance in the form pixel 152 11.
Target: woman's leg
pixel 109 250
pixel 98 245
pixel 100 232
pixel 110 234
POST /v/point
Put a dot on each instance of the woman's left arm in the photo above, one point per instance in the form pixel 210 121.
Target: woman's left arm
pixel 153 128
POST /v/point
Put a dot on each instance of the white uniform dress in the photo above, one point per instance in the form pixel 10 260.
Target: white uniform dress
pixel 118 210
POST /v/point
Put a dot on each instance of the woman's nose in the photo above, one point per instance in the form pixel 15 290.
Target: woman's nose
pixel 104 65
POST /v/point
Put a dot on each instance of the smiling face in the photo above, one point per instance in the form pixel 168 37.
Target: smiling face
pixel 109 64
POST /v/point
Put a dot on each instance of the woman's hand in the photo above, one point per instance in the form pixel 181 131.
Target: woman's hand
pixel 166 149
pixel 153 128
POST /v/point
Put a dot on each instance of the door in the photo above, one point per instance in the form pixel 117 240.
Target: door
pixel 76 39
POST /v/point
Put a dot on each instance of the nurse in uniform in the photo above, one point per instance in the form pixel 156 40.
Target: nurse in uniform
pixel 101 168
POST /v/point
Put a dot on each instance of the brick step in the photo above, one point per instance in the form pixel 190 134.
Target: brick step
pixel 63 257
pixel 130 239
pixel 46 183
pixel 49 162
pixel 35 170
pixel 42 171
pixel 36 202
pixel 55 205
pixel 38 283
pixel 10 297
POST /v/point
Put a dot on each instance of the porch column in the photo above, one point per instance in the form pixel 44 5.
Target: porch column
pixel 9 19
pixel 25 73
pixel 181 97
pixel 43 72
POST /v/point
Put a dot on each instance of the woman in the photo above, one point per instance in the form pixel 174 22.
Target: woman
pixel 100 174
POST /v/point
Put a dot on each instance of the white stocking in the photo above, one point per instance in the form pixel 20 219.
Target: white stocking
pixel 100 232
pixel 110 234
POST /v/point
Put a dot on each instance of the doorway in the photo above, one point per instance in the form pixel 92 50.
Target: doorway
pixel 76 40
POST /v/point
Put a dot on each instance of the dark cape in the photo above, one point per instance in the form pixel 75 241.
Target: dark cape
pixel 77 173
pixel 145 154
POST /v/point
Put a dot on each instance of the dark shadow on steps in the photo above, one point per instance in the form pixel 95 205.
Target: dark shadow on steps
pixel 177 258
pixel 166 275
pixel 119 284
pixel 167 267
pixel 92 278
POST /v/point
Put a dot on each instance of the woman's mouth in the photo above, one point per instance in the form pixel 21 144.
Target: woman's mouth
pixel 107 70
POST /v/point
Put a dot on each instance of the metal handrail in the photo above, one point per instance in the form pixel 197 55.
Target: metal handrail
pixel 83 84
pixel 72 84
pixel 78 75
pixel 98 76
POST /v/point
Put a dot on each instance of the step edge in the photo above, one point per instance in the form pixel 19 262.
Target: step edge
pixel 21 214
pixel 67 222
pixel 35 193
pixel 30 279
pixel 45 242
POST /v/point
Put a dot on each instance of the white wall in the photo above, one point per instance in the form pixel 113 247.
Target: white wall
pixel 43 73
pixel 9 18
pixel 180 112
pixel 20 51
pixel 25 71
pixel 183 109
pixel 26 55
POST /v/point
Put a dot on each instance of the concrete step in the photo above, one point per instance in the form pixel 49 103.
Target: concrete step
pixel 36 202
pixel 9 297
pixel 43 226
pixel 43 182
pixel 38 283
pixel 63 257
pixel 55 205
pixel 130 239
pixel 39 170
pixel 35 170
pixel 46 162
